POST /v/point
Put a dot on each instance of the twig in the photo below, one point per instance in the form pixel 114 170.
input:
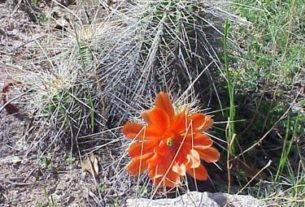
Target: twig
pixel 18 184
pixel 27 177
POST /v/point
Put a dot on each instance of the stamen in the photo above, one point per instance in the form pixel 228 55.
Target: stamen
pixel 170 142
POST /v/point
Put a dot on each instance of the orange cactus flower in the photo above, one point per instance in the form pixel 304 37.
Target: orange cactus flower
pixel 171 144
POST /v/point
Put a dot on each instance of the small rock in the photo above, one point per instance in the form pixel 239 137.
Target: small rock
pixel 199 200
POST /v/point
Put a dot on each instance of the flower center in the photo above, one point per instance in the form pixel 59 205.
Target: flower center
pixel 170 142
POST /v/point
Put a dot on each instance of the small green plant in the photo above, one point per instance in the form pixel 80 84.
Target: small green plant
pixel 50 201
pixel 43 18
pixel 102 188
pixel 294 129
pixel 230 81
pixel 46 161
pixel 143 191
pixel 35 2
pixel 116 202
pixel 70 159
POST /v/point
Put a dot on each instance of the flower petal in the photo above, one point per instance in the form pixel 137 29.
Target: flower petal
pixel 181 157
pixel 138 164
pixel 132 130
pixel 202 140
pixel 180 169
pixel 163 150
pixel 146 117
pixel 156 181
pixel 172 179
pixel 200 121
pixel 193 159
pixel 197 120
pixel 208 154
pixel 141 148
pixel 199 173
pixel 163 102
pixel 179 123
pixel 208 123
pixel 158 121
pixel 138 131
pixel 157 171
pixel 158 166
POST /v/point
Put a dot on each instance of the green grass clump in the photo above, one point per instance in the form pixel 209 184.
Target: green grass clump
pixel 49 201
pixel 274 45
pixel 268 72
